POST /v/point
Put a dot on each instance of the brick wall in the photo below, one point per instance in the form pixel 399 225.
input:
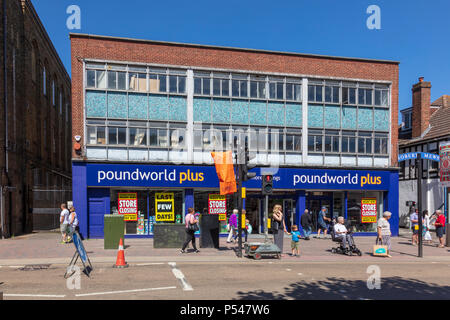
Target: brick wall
pixel 28 46
pixel 92 47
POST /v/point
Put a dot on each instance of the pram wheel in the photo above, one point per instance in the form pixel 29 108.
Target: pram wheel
pixel 333 250
pixel 257 256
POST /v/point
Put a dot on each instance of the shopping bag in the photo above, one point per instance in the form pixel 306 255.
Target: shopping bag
pixel 228 227
pixel 427 236
pixel 380 250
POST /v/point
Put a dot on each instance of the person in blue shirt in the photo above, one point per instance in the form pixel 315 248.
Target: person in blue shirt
pixel 414 218
pixel 295 241
pixel 321 224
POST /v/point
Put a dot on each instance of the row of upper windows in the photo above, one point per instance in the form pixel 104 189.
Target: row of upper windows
pixel 156 80
pixel 56 94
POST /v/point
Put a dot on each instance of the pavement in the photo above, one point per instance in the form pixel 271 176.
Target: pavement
pixel 45 248
pixel 166 274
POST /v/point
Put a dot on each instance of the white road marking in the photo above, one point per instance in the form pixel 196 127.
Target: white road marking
pixel 300 274
pixel 150 264
pixel 180 276
pixel 123 291
pixel 35 295
pixel 288 269
pixel 14 267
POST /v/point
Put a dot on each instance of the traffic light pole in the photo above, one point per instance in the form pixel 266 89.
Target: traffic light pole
pixel 239 190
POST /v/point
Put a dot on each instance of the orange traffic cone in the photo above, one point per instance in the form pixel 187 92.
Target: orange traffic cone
pixel 120 262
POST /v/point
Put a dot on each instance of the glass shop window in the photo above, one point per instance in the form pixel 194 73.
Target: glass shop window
pixel 354 217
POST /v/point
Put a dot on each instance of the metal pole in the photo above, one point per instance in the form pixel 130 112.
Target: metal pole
pixel 266 218
pixel 1 211
pixel 419 201
pixel 240 210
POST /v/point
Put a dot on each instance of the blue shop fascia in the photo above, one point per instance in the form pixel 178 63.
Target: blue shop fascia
pixel 101 189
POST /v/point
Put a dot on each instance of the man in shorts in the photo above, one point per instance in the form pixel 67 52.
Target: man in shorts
pixel 64 223
pixel 321 224
pixel 414 218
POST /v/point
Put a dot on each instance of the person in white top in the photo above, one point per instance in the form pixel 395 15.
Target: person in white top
pixel 341 232
pixel 73 221
pixel 64 222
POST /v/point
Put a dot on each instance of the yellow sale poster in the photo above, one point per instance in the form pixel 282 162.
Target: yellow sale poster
pixel 369 210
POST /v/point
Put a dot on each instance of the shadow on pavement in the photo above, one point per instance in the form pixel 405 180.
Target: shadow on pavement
pixel 343 289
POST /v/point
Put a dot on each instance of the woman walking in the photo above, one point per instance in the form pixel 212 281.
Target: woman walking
pixel 190 231
pixel 278 227
pixel 384 231
pixel 232 222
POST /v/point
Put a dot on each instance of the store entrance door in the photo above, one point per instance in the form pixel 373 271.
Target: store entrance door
pixel 314 204
pixel 289 213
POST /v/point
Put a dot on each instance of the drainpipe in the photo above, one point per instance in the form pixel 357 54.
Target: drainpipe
pixel 4 173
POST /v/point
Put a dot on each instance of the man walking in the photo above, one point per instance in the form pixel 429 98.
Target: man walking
pixel 64 223
pixel 306 223
pixel 321 224
pixel 414 218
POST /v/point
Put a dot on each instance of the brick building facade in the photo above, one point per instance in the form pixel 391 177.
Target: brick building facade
pixel 316 116
pixel 35 122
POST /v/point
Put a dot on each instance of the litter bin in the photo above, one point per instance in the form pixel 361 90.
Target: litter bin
pixel 209 231
pixel 113 230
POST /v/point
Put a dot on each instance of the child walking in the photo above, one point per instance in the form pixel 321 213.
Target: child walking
pixel 295 241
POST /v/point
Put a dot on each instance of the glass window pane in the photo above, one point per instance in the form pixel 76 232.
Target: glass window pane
pixel 243 85
pixel 352 95
pixel 345 144
pixel 162 83
pixel 280 92
pixel 154 137
pixel 262 90
pixel 336 94
pixel 101 135
pixel 101 79
pixel 272 90
pixel 138 136
pixel 369 96
pixel 328 146
pixel 198 136
pixel 162 138
pixel 253 89
pixel 361 145
pixel 112 135
pixel 327 94
pixel 319 143
pixel 90 79
pixel 281 141
pixel 361 96
pixel 311 93
pixel 319 97
pixel 289 142
pixel 297 143
pixel 122 135
pixel 297 92
pixel 335 144
pixel 235 88
pixel 181 84
pixel 173 84
pixel 377 97
pixel 352 145
pixel 206 86
pixel 311 143
pixel 216 87
pixel 384 98
pixel 225 88
pixel 112 82
pixel 92 136
pixel 121 80
pixel 345 96
pixel 289 91
pixel 197 86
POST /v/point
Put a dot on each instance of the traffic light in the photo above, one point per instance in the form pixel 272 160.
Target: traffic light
pixel 267 184
pixel 245 165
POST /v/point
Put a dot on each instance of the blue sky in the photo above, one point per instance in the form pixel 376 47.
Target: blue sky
pixel 414 32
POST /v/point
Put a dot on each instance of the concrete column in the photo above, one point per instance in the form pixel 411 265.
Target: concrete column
pixel 305 121
pixel 190 116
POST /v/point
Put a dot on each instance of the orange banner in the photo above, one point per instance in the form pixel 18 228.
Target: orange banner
pixel 225 171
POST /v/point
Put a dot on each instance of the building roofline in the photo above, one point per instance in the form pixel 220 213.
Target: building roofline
pixel 49 42
pixel 90 36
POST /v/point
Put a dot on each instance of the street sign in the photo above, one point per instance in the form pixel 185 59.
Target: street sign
pixel 444 168
pixel 413 155
pixel 79 253
pixel 80 247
